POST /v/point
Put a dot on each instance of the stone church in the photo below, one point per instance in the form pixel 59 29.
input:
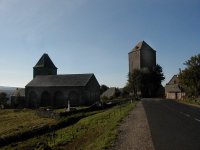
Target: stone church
pixel 49 89
pixel 142 56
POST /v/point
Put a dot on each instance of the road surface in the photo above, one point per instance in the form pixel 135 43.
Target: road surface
pixel 173 126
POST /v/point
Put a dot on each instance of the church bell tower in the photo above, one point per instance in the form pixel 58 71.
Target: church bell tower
pixel 44 66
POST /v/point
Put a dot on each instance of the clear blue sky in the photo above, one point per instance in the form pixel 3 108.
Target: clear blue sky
pixel 94 36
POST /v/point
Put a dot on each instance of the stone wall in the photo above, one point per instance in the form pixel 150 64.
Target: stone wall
pixel 44 71
pixel 53 96
pixel 59 96
pixel 92 91
pixel 148 58
pixel 175 95
pixel 142 59
pixel 134 61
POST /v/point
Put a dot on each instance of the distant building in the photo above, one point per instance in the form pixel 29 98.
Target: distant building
pixel 173 89
pixel 8 91
pixel 49 89
pixel 142 56
pixel 111 93
pixel 18 98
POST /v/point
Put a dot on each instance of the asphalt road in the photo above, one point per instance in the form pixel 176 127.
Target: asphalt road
pixel 173 126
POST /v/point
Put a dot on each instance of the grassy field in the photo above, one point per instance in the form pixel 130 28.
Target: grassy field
pixel 191 101
pixel 95 132
pixel 14 122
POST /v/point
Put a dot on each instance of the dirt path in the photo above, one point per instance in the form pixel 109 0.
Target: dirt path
pixel 134 132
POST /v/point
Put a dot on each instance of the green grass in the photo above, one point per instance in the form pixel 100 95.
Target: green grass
pixel 191 101
pixel 14 122
pixel 95 132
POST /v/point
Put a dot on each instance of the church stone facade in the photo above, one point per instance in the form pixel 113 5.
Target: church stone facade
pixel 142 56
pixel 49 89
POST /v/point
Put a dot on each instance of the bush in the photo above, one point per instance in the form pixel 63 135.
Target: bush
pixel 104 98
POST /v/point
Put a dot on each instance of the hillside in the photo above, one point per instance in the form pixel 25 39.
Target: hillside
pixel 8 90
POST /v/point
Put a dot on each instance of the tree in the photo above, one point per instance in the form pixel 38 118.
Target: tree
pixel 103 88
pixel 147 82
pixel 3 98
pixel 158 74
pixel 151 81
pixel 134 82
pixel 189 78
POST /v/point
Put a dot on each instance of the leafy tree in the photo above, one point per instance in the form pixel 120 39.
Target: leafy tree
pixel 125 92
pixel 147 82
pixel 151 81
pixel 103 88
pixel 3 98
pixel 158 74
pixel 134 82
pixel 189 78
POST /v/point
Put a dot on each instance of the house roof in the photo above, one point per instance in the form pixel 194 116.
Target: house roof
pixel 45 62
pixel 60 80
pixel 173 80
pixel 141 45
pixel 19 92
pixel 173 85
pixel 172 88
pixel 109 92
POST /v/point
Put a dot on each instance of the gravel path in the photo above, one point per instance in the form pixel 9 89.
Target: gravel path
pixel 134 131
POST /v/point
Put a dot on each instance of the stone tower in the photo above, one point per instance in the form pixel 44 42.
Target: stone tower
pixel 142 56
pixel 44 66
